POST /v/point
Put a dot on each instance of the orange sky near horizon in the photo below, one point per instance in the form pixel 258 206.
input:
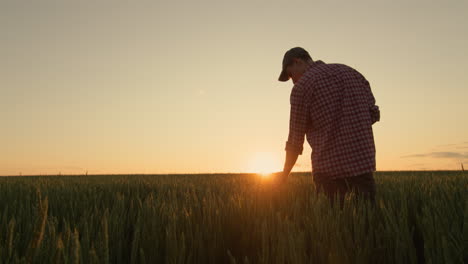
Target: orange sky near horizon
pixel 123 87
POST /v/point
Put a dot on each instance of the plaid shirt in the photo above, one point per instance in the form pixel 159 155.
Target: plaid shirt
pixel 333 105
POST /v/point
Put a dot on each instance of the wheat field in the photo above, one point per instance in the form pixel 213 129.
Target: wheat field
pixel 230 218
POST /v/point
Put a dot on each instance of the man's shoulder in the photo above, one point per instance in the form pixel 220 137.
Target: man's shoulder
pixel 333 67
pixel 317 71
pixel 320 71
pixel 340 67
pixel 340 70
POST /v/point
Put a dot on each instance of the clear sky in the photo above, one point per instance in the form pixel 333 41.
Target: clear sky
pixel 191 86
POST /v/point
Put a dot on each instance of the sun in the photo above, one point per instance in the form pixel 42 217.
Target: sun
pixel 264 163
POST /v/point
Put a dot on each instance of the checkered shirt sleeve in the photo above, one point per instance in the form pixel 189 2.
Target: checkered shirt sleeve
pixel 374 109
pixel 298 120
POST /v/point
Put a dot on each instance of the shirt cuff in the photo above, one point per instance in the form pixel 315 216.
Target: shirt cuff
pixel 296 149
pixel 375 113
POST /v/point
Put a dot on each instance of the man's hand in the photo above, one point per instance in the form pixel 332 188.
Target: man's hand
pixel 278 184
pixel 291 158
pixel 281 177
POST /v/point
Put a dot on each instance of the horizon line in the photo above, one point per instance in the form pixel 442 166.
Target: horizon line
pixel 206 173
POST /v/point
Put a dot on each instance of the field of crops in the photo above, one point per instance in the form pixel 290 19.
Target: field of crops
pixel 231 218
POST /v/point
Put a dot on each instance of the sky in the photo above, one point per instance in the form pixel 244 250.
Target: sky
pixel 125 87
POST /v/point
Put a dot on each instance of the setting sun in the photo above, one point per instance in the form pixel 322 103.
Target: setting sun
pixel 264 163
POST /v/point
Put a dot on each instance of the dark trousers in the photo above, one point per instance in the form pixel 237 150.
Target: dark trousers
pixel 363 186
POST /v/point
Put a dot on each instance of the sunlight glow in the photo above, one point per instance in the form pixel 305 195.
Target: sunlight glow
pixel 264 163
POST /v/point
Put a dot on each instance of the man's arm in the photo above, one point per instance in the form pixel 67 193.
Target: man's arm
pixel 374 109
pixel 298 123
pixel 291 158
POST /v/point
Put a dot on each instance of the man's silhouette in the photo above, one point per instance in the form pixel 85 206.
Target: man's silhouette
pixel 333 105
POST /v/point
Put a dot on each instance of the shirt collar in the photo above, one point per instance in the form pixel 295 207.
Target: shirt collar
pixel 309 68
pixel 315 64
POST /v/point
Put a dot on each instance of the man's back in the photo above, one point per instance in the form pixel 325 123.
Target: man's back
pixel 333 105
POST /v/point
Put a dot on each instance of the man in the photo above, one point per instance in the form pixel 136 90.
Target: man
pixel 333 105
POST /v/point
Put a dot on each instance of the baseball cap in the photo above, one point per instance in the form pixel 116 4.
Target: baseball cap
pixel 296 52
